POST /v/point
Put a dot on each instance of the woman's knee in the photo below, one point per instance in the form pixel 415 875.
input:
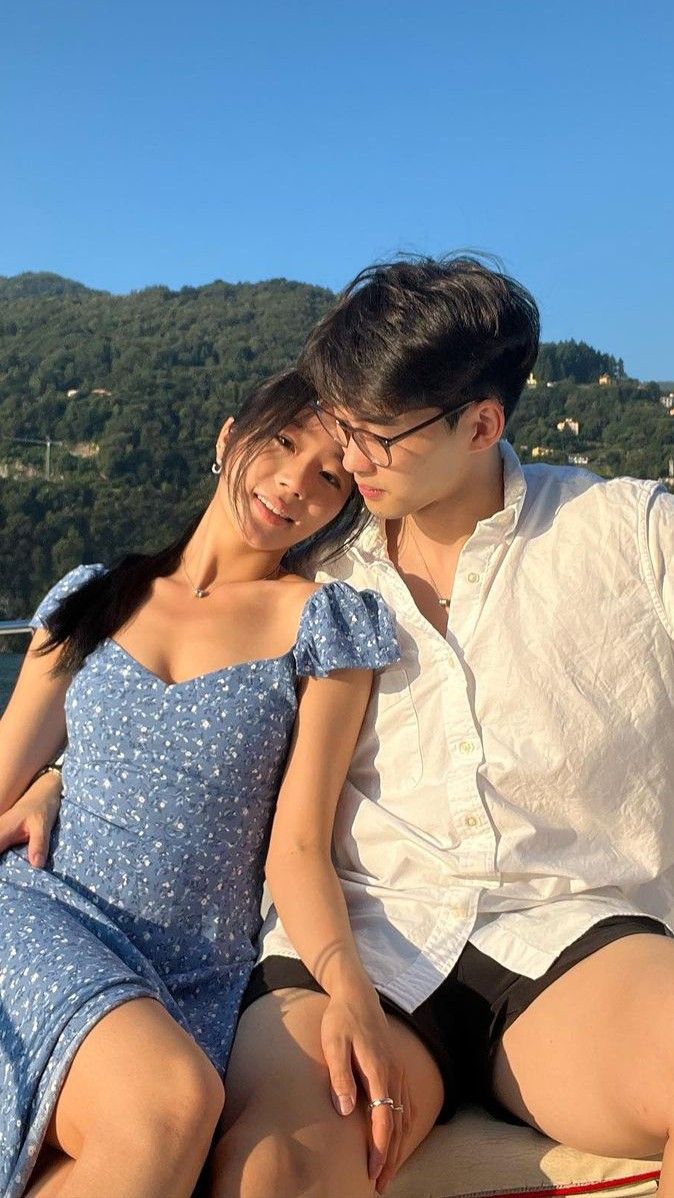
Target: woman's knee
pixel 165 1092
pixel 186 1096
pixel 170 1116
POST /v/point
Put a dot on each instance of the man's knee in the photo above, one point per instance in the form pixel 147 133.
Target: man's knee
pixel 268 1165
pixel 249 1162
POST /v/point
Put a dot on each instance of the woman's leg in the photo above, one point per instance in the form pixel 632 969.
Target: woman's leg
pixel 282 1136
pixel 137 1111
pixel 591 1062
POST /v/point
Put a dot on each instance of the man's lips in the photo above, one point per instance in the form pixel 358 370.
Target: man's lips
pixel 369 492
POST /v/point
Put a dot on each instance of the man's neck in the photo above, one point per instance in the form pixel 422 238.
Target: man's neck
pixel 425 546
pixel 451 520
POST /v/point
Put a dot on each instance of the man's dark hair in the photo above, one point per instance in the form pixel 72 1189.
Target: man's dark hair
pixel 422 332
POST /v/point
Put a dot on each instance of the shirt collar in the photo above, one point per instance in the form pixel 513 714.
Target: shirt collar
pixel 372 541
pixel 514 493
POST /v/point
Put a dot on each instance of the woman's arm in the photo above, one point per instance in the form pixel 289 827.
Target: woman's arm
pixel 309 899
pixel 33 728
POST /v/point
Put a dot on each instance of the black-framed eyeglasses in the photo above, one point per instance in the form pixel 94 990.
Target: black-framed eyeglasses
pixel 375 448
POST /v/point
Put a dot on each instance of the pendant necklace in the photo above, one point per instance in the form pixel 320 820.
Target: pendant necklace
pixel 203 593
pixel 444 601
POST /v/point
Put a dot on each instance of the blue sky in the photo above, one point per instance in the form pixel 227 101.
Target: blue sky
pixel 145 142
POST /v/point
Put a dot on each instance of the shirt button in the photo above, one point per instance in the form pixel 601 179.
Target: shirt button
pixel 471 821
pixel 466 746
pixel 473 577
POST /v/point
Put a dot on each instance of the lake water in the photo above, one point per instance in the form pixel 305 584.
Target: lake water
pixel 9 668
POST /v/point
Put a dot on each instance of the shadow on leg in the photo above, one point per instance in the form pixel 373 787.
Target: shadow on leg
pixel 51 1173
pixel 282 1137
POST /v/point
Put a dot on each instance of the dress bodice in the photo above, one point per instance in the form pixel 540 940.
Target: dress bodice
pixel 169 789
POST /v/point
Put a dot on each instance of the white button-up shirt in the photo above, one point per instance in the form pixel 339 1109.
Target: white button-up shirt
pixel 513 782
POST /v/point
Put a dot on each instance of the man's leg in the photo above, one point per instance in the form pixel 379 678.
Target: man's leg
pixel 591 1061
pixel 282 1136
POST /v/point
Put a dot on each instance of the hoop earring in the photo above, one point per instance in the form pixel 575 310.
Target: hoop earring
pixel 216 468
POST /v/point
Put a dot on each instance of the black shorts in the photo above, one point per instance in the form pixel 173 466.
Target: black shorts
pixel 463 1021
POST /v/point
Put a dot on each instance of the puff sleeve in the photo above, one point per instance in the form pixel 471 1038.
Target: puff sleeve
pixel 72 581
pixel 341 628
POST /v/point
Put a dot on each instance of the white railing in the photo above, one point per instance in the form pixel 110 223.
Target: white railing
pixel 12 627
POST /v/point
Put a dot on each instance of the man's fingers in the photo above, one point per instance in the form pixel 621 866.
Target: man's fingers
pixel 342 1082
pixel 407 1111
pixel 392 1161
pixel 382 1131
pixel 38 841
pixel 374 1072
pixel 12 832
pixel 32 831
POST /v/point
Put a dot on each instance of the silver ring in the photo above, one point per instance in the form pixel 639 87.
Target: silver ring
pixel 381 1102
pixel 399 1108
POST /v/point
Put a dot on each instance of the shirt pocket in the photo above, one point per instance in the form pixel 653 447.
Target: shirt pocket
pixel 388 754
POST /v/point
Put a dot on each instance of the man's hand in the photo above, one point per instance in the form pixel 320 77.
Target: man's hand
pixel 31 819
pixel 355 1032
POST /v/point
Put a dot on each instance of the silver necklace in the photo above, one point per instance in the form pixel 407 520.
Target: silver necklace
pixel 202 593
pixel 443 600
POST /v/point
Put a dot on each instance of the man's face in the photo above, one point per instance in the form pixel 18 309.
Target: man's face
pixel 428 467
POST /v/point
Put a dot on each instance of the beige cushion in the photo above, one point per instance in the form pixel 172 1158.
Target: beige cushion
pixel 478 1155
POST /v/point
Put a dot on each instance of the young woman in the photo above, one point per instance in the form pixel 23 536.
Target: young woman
pixel 195 687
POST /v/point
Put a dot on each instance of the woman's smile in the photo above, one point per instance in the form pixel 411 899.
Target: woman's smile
pixel 272 510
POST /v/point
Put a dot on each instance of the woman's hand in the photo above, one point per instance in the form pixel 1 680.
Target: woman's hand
pixel 355 1033
pixel 31 819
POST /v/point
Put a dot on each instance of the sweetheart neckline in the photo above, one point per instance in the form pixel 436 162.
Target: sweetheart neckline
pixel 238 665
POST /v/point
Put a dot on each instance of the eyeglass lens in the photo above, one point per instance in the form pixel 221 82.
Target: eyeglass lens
pixel 342 433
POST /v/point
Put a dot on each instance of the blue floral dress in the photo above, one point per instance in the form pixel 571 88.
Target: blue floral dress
pixel 154 881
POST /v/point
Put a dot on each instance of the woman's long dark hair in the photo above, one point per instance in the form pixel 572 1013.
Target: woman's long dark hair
pixel 101 606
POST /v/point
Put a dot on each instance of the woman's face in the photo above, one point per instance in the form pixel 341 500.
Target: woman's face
pixel 293 487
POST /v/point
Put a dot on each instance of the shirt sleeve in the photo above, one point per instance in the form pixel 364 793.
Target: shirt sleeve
pixel 660 533
pixel 341 628
pixel 72 581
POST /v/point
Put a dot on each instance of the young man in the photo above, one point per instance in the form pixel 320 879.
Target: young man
pixel 505 841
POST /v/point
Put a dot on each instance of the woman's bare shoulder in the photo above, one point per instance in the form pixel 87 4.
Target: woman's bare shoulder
pixel 298 586
pixel 298 591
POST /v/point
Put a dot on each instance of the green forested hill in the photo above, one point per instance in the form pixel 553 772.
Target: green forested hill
pixel 151 376
pixel 32 284
pixel 153 371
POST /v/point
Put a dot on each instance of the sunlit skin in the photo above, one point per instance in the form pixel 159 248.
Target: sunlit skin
pixel 300 474
pixel 448 479
pixel 441 482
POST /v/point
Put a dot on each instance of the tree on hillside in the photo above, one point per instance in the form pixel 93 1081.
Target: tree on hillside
pixel 575 360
